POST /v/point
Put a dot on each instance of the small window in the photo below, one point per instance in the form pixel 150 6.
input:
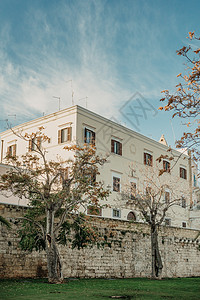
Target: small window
pixel 167 222
pixel 34 144
pixel 116 147
pixel 183 173
pixel 184 224
pixel 94 210
pixel 133 190
pixel 166 166
pixel 89 136
pixel 64 135
pixel 148 159
pixel 116 184
pixel 116 213
pixel 167 197
pixel 183 202
pixel 11 150
pixel 131 216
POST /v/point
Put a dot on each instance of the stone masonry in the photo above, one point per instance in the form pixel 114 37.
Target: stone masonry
pixel 128 255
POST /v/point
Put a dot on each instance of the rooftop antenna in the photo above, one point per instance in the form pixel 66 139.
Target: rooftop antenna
pixel 13 116
pixel 72 91
pixel 85 100
pixel 173 132
pixel 58 101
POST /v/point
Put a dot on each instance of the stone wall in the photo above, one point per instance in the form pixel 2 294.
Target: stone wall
pixel 128 256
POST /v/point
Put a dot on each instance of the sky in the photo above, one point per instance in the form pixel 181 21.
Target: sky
pixel 115 56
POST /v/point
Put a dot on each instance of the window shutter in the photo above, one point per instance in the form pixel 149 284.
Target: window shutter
pixel 185 174
pixel 180 172
pixel 112 146
pixel 69 134
pixel 120 148
pixel 145 158
pixel 85 133
pixel 30 145
pixel 93 138
pixel 59 136
pixel 14 150
pixel 7 153
pixel 151 160
pixel 39 142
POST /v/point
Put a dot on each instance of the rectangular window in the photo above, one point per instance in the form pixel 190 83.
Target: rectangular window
pixel 183 202
pixel 184 224
pixel 116 184
pixel 148 159
pixel 89 136
pixel 166 166
pixel 11 150
pixel 94 210
pixel 64 174
pixel 183 173
pixel 116 213
pixel 167 197
pixel 64 135
pixel 116 147
pixel 34 144
pixel 133 190
pixel 167 222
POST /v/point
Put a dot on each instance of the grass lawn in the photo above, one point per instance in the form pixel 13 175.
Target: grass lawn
pixel 95 289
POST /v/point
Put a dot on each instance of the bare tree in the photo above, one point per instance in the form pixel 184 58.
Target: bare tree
pixel 152 199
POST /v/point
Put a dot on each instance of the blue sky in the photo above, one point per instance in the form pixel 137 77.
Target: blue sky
pixel 112 50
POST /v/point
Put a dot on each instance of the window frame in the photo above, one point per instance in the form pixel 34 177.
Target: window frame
pixel 92 139
pixel 118 211
pixel 68 135
pixel 116 147
pixel 114 184
pixel 183 173
pixel 11 150
pixel 148 161
pixel 166 163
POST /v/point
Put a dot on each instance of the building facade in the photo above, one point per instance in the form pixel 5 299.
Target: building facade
pixel 131 157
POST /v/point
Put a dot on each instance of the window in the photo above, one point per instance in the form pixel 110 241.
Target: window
pixel 183 173
pixel 89 136
pixel 167 197
pixel 167 222
pixel 116 213
pixel 184 224
pixel 131 216
pixel 148 159
pixel 116 184
pixel 183 202
pixel 133 190
pixel 11 151
pixel 34 144
pixel 64 135
pixel 116 147
pixel 166 166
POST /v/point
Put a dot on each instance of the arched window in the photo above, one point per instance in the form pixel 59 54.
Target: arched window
pixel 131 216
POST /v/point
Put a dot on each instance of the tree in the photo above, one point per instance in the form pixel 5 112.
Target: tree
pixel 56 191
pixel 185 103
pixel 152 200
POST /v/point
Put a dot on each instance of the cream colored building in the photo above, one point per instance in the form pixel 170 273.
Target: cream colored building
pixel 132 156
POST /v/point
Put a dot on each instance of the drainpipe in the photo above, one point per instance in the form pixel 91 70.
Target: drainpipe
pixel 2 150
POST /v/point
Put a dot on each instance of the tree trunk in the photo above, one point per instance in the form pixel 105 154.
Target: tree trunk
pixel 157 265
pixel 54 265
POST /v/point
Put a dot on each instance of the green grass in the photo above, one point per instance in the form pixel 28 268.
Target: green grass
pixel 96 289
